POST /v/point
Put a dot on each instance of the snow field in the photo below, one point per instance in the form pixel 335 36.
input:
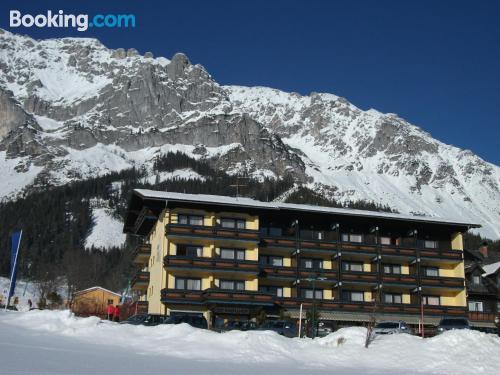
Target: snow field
pixel 454 353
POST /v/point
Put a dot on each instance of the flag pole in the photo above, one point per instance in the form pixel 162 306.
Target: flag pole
pixel 300 322
pixel 14 269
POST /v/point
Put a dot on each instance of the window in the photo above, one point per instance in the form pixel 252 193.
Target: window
pixel 233 223
pixel 498 307
pixel 308 293
pixel 349 237
pixel 352 266
pixel 393 298
pixel 475 306
pixel 237 254
pixel 431 271
pixel 385 240
pixel 394 269
pixel 311 263
pixel 476 279
pixel 190 219
pixel 275 290
pixel 428 244
pixel 350 296
pixel 189 251
pixel 110 302
pixel 232 285
pixel 431 300
pixel 187 284
pixel 271 260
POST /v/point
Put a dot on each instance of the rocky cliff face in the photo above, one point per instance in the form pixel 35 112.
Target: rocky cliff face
pixel 71 108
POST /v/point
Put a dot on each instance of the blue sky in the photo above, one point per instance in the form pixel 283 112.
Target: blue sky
pixel 435 63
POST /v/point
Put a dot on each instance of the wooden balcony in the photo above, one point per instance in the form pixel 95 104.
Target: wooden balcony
pixel 214 264
pixel 216 296
pixel 238 297
pixel 178 296
pixel 438 254
pixel 141 254
pixel 358 277
pixel 330 274
pixel 406 280
pixel 480 316
pixel 216 232
pixel 142 307
pixel 368 307
pixel 140 281
pixel 358 248
pixel 278 272
pixel 443 282
pixel 395 251
pixel 331 246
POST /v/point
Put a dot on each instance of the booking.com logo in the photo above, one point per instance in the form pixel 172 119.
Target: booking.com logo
pixel 79 21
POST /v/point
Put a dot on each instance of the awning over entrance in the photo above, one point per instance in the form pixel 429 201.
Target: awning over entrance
pixel 361 317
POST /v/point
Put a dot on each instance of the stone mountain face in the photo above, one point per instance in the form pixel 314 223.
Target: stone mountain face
pixel 72 108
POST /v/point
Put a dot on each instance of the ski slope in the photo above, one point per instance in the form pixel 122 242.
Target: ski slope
pixel 55 342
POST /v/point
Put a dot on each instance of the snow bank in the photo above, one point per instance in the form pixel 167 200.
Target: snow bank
pixel 459 352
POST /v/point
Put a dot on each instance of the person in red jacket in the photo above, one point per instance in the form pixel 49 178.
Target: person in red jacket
pixel 111 311
pixel 117 313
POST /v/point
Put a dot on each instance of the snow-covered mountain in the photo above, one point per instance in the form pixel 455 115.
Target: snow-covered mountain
pixel 72 108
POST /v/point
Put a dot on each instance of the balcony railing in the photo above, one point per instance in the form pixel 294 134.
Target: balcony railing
pixel 318 272
pixel 212 232
pixel 278 271
pixel 480 316
pixel 409 280
pixel 233 265
pixel 234 296
pixel 361 276
pixel 440 281
pixel 441 254
pixel 367 307
pixel 213 296
pixel 141 253
pixel 180 296
pixel 140 280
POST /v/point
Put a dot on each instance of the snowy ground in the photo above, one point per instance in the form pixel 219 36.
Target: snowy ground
pixel 55 342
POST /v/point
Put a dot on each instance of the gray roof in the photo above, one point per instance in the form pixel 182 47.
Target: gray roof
pixel 252 203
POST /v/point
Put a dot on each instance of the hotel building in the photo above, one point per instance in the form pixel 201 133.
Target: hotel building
pixel 231 258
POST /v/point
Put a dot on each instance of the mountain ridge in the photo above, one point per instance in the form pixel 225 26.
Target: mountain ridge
pixel 72 108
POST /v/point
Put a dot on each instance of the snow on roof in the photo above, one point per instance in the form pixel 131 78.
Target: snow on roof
pixel 97 287
pixel 248 202
pixel 490 269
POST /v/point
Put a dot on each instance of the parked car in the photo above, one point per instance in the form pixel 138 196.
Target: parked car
pixel 448 324
pixel 390 328
pixel 146 319
pixel 282 327
pixel 323 329
pixel 196 321
pixel 240 325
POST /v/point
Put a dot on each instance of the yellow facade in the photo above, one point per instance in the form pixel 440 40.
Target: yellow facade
pixel 163 245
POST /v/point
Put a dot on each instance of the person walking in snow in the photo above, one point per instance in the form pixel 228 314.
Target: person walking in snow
pixel 117 313
pixel 30 303
pixel 110 311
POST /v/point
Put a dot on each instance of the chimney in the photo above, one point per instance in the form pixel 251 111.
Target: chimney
pixel 484 249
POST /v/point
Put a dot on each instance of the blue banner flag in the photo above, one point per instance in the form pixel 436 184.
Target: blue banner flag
pixel 15 242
